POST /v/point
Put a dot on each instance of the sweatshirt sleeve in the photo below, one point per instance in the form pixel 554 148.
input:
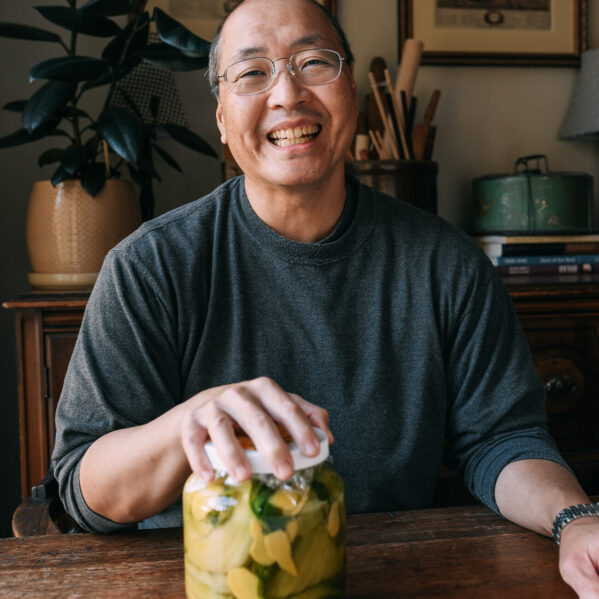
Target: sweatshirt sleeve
pixel 123 372
pixel 496 412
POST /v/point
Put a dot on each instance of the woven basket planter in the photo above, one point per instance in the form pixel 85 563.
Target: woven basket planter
pixel 69 232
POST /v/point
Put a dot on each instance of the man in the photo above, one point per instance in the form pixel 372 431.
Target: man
pixel 292 294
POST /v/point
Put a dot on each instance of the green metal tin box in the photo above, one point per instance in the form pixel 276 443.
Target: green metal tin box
pixel 532 200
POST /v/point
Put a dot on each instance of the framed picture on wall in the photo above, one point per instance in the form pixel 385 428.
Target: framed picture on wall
pixel 496 32
pixel 204 16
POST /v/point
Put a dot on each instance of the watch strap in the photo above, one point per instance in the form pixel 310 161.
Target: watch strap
pixel 570 513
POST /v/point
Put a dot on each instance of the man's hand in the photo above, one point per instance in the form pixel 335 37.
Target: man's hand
pixel 579 556
pixel 255 405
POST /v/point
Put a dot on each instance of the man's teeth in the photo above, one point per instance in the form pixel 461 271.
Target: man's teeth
pixel 295 135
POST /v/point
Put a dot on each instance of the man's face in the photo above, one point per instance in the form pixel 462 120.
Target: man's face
pixel 255 126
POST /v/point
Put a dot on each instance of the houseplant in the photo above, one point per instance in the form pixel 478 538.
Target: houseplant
pixel 94 150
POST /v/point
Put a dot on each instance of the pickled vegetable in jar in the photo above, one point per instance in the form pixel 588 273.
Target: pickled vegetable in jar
pixel 265 538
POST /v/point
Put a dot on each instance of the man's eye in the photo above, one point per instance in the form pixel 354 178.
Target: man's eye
pixel 314 63
pixel 252 74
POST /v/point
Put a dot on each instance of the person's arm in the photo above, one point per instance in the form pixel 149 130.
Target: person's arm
pixel 531 493
pixel 131 474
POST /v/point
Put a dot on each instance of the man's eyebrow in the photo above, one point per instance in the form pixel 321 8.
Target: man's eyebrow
pixel 309 40
pixel 249 51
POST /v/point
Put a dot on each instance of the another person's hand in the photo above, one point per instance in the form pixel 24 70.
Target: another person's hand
pixel 579 556
pixel 255 405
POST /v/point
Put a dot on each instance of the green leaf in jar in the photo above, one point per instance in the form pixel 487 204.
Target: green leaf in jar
pixel 271 517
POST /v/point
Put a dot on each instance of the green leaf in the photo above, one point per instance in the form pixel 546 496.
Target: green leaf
pixel 167 158
pixel 174 34
pixel 79 21
pixel 136 32
pixel 71 111
pixel 59 176
pixel 108 8
pixel 50 156
pixel 69 68
pixel 189 139
pixel 122 131
pixel 172 59
pixel 129 101
pixel 113 50
pixel 102 79
pixel 93 177
pixel 135 176
pixel 140 33
pixel 74 158
pixel 146 168
pixel 22 136
pixel 25 32
pixel 46 103
pixel 16 106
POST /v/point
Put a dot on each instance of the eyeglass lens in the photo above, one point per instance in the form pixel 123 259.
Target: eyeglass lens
pixel 310 67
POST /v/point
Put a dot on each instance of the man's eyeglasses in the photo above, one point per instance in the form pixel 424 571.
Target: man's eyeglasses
pixel 314 66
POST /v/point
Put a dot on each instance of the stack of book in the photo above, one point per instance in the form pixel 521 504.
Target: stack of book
pixel 542 254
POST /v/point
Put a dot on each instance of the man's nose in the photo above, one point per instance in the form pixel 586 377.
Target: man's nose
pixel 286 89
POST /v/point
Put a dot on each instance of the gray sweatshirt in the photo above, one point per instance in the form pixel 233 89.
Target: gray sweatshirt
pixel 396 323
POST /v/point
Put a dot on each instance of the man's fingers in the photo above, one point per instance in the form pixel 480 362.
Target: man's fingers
pixel 247 404
pixel 255 405
pixel 317 416
pixel 222 434
pixel 193 437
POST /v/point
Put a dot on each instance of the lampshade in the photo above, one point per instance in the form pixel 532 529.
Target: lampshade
pixel 582 120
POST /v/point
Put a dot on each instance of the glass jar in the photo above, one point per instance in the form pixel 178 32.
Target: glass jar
pixel 265 538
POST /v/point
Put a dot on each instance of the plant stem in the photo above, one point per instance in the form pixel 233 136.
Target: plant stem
pixel 134 31
pixel 72 52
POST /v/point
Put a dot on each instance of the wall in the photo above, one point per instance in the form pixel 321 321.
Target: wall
pixel 487 117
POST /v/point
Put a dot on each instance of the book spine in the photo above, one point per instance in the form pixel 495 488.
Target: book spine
pixel 547 269
pixel 538 249
pixel 541 260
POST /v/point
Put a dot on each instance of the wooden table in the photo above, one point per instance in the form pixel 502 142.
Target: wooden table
pixel 449 552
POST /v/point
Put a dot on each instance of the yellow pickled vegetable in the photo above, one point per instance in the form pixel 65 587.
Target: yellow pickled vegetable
pixel 244 584
pixel 205 502
pixel 258 549
pixel 318 558
pixel 227 545
pixel 202 579
pixel 333 520
pixel 291 529
pixel 279 548
pixel 289 501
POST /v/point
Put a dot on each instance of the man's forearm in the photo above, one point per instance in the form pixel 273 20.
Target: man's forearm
pixel 532 492
pixel 131 474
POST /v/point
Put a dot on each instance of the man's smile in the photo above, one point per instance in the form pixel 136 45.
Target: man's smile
pixel 294 135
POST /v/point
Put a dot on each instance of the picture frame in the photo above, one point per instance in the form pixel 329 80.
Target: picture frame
pixel 471 32
pixel 202 17
pixel 330 5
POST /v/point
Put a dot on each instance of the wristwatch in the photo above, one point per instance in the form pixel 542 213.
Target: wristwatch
pixel 572 513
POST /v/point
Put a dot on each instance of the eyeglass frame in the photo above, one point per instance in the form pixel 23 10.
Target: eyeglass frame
pixel 276 72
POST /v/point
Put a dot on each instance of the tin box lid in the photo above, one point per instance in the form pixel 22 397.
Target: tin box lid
pixel 259 465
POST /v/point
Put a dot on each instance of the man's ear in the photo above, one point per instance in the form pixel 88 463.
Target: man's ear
pixel 220 123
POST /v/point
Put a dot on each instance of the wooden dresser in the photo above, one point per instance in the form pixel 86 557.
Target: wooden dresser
pixel 560 317
pixel 46 329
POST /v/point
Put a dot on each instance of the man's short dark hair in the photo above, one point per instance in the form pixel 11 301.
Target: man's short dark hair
pixel 213 58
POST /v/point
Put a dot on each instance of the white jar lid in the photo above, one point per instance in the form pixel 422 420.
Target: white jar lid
pixel 259 465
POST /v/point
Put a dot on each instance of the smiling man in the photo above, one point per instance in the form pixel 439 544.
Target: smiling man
pixel 288 119
pixel 293 294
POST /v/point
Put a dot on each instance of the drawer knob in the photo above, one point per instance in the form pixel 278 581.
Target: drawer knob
pixel 560 386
